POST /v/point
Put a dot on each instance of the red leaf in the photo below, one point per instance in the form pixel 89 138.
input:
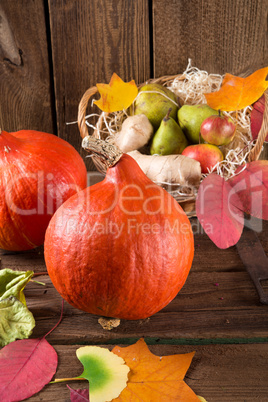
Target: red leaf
pixel 26 366
pixel 256 118
pixel 251 185
pixel 79 395
pixel 218 209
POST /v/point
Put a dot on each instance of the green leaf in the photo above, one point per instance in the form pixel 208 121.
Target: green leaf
pixel 12 283
pixel 16 321
pixel 106 372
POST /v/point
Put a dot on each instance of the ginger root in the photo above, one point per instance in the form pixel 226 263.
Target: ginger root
pixel 177 169
pixel 135 133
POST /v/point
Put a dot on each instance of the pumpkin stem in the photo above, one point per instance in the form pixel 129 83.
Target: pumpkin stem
pixel 104 153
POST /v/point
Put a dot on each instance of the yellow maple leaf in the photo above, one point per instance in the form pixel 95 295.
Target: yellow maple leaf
pixel 236 93
pixel 117 95
pixel 154 378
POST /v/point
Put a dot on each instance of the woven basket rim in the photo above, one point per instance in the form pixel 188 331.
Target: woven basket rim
pixel 254 154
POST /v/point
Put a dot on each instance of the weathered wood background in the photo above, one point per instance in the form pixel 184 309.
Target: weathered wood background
pixel 51 51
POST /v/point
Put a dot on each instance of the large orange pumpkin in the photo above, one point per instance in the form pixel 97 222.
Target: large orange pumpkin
pixel 121 248
pixel 38 172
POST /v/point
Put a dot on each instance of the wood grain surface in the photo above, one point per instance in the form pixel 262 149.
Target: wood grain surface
pixel 218 301
pixel 219 36
pixel 219 373
pixel 25 84
pixel 217 314
pixel 91 39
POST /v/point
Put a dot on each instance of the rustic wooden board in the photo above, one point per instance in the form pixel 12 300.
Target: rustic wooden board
pixel 219 373
pixel 91 39
pixel 25 86
pixel 217 314
pixel 219 36
pixel 200 311
pixel 218 301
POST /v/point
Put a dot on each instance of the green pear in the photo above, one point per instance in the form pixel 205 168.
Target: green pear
pixel 169 138
pixel 190 118
pixel 155 103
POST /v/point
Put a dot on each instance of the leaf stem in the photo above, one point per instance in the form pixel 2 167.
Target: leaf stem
pixel 55 326
pixel 39 283
pixel 66 379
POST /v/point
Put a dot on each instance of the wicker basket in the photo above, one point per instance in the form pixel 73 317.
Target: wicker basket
pixel 187 201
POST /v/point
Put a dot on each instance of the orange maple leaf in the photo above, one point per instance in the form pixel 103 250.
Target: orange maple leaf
pixel 154 378
pixel 117 95
pixel 236 93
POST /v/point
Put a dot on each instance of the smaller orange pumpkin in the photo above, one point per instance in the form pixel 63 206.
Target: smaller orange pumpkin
pixel 39 171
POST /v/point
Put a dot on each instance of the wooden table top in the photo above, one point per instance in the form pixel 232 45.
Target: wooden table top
pixel 217 314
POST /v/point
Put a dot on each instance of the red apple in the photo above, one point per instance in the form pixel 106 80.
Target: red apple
pixel 206 154
pixel 218 130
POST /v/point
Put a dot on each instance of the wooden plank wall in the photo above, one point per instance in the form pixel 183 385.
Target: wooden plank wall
pixel 26 94
pixel 219 36
pixel 53 50
pixel 90 40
